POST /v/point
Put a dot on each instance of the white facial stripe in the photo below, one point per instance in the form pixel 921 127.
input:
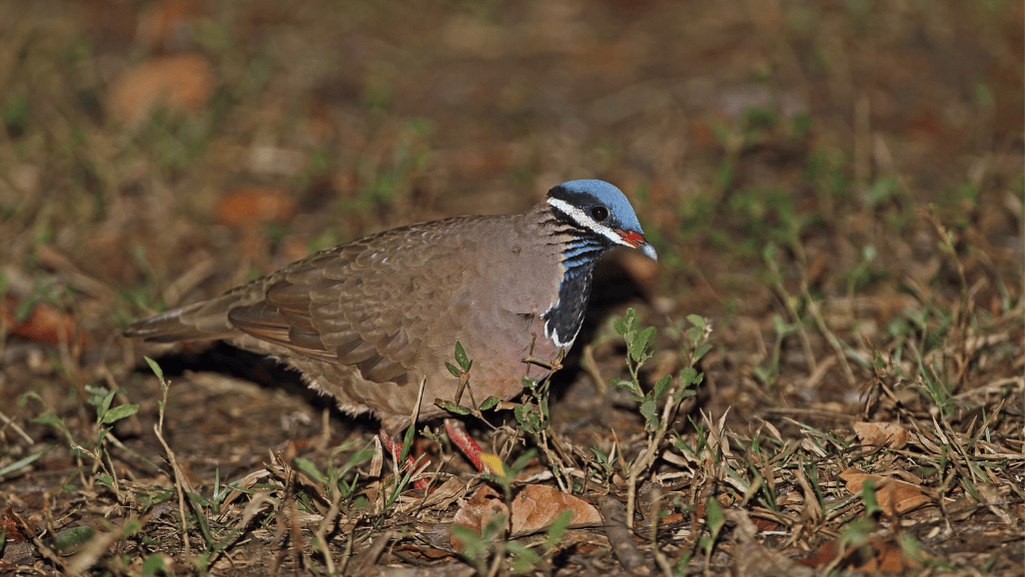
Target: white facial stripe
pixel 582 219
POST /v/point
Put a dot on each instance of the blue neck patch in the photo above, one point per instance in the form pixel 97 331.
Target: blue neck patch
pixel 597 216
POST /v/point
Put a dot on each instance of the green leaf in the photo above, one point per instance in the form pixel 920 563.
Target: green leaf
pixel 108 400
pixel 715 516
pixel 662 386
pixel 641 341
pixel 152 564
pixel 72 539
pixel 626 324
pixel 523 558
pixel 453 408
pixel 868 495
pixel 628 385
pixel 779 325
pixel 310 468
pixel 461 358
pixel 689 376
pixel 48 419
pixel 526 418
pixel 490 403
pixel 452 369
pixel 96 395
pixel 155 368
pixel 682 394
pixel 619 325
pixel 761 374
pixel 12 467
pixel 649 410
pixel 120 412
pixel 131 527
pixel 200 500
pixel 363 455
pixel 520 463
pixel 701 351
pixel 557 529
pixel 407 442
pixel 697 332
pixel 698 322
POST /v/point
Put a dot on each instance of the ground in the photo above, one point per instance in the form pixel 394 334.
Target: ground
pixel 835 191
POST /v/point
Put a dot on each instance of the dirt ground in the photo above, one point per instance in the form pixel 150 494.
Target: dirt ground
pixel 835 189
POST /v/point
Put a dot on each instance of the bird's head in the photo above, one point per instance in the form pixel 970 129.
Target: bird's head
pixel 602 209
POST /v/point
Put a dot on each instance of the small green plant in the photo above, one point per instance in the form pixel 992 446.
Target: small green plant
pixel 97 449
pixel 638 344
pixel 532 416
pixel 768 372
pixel 666 391
pixel 334 480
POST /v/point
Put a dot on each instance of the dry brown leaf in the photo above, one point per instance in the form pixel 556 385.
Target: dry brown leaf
pixel 182 83
pixel 537 506
pixel 252 205
pixel 44 324
pixel 889 557
pixel 889 435
pixel 11 525
pixel 876 555
pixel 17 548
pixel 483 507
pixel 895 497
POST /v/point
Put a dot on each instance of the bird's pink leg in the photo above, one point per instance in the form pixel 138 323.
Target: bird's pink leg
pixel 485 462
pixel 456 431
pixel 394 446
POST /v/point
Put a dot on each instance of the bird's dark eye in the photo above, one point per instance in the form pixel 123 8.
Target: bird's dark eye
pixel 599 213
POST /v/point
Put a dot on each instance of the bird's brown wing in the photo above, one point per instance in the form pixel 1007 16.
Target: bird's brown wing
pixel 365 304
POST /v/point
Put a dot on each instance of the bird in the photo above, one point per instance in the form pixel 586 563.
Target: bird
pixel 374 322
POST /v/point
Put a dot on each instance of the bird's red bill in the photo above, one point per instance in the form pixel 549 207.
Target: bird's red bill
pixel 634 238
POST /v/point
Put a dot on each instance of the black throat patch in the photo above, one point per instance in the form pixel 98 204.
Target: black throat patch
pixel 562 321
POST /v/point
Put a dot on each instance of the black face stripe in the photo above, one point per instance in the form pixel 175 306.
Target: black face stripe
pixel 582 200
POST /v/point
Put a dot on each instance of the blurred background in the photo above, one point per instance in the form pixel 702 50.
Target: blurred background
pixel 145 141
pixel 795 163
pixel 155 153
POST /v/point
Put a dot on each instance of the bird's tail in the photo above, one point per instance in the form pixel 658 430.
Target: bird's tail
pixel 207 320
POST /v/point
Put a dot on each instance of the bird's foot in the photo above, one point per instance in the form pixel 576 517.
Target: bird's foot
pixel 394 446
pixel 456 431
pixel 484 461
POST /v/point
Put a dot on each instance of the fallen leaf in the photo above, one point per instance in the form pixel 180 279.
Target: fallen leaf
pixel 894 496
pixel 17 549
pixel 476 512
pixel 537 506
pixel 826 553
pixel 181 83
pixel 889 557
pixel 889 435
pixel 11 526
pixel 44 324
pixel 874 555
pixel 254 205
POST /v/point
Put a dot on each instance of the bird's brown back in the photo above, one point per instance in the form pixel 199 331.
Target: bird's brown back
pixel 368 320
